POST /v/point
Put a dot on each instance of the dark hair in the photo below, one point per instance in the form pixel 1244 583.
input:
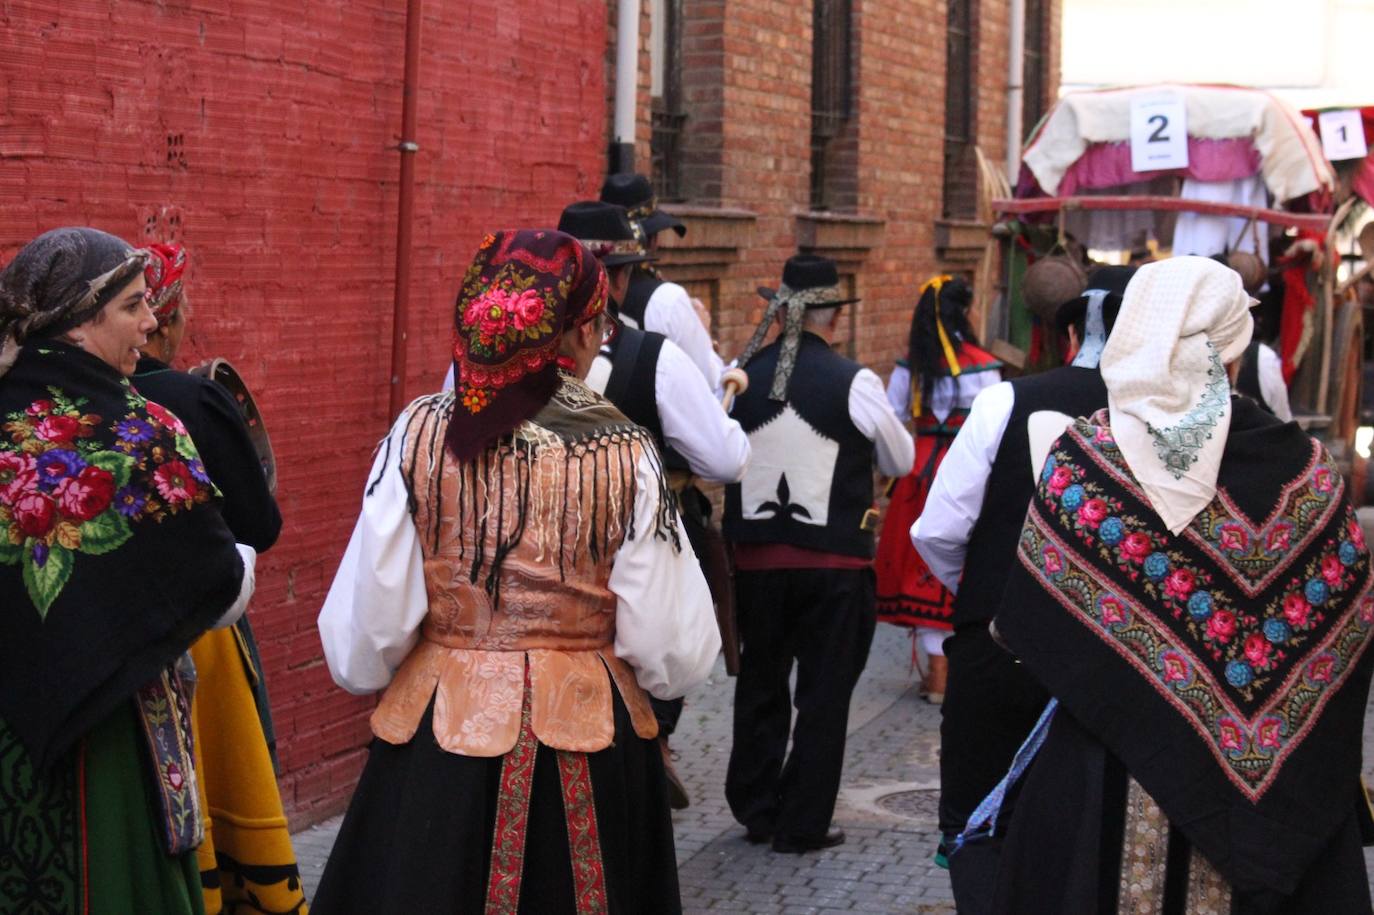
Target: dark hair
pixel 1111 307
pixel 924 352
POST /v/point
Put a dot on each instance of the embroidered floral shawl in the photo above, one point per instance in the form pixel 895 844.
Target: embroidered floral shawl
pixel 113 556
pixel 1225 666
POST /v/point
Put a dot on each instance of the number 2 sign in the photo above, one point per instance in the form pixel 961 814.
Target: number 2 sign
pixel 1159 133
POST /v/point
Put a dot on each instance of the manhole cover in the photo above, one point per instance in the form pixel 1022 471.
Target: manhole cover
pixel 921 805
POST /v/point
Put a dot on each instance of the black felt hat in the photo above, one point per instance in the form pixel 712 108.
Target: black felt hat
pixel 636 195
pixel 605 229
pixel 812 274
pixel 1111 279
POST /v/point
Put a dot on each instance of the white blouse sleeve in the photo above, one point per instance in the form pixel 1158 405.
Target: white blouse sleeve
pixel 899 390
pixel 371 617
pixel 665 624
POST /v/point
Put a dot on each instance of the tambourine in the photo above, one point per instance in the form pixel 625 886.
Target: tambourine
pixel 222 371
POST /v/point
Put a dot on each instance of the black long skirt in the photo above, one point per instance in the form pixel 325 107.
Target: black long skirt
pixel 1064 849
pixel 418 833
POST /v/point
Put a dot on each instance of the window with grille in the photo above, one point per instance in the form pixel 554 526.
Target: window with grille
pixel 665 91
pixel 1036 63
pixel 831 92
pixel 960 179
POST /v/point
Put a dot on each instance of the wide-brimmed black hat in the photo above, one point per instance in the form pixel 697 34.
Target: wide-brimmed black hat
pixel 812 276
pixel 1113 280
pixel 636 195
pixel 605 229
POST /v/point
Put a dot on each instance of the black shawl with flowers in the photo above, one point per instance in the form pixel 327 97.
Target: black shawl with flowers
pixel 113 555
pixel 1225 666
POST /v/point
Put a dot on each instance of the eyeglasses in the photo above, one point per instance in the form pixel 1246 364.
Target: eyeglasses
pixel 610 329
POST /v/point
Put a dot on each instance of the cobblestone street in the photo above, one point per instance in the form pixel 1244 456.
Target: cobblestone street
pixel 886 808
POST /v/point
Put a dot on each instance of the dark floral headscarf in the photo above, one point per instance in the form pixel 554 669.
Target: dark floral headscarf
pixel 166 266
pixel 525 288
pixel 59 280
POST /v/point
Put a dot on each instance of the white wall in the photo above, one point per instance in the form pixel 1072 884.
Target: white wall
pixel 1316 52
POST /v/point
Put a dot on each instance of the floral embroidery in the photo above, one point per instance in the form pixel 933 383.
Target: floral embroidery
pixel 1178 445
pixel 63 493
pixel 1248 677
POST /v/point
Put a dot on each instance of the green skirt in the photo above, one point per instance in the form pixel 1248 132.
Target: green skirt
pixel 83 837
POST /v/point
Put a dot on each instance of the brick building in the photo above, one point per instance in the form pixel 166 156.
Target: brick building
pixel 263 134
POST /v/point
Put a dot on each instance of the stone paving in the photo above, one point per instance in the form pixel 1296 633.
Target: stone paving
pixel 886 808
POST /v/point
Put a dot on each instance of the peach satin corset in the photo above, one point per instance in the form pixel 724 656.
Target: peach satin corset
pixel 555 515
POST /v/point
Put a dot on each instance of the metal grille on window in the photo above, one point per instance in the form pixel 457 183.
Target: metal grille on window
pixel 1034 66
pixel 960 179
pixel 830 93
pixel 665 108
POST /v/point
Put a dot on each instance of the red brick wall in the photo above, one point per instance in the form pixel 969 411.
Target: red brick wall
pixel 262 133
pixel 748 97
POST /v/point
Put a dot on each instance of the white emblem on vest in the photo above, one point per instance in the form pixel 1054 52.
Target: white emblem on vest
pixel 791 470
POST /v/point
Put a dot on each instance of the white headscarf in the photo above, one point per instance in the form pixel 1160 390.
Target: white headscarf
pixel 1181 321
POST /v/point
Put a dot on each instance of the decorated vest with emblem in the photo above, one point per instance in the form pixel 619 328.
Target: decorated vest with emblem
pixel 1011 485
pixel 810 475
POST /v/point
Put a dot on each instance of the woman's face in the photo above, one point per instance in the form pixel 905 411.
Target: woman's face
pixel 119 329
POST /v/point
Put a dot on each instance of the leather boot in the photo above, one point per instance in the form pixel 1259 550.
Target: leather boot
pixel 934 685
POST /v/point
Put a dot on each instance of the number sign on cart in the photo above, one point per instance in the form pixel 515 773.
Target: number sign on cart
pixel 1342 135
pixel 1159 133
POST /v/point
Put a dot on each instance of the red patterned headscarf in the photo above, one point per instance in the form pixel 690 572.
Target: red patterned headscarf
pixel 524 290
pixel 166 265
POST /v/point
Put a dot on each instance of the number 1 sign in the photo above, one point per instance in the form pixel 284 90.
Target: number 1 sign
pixel 1342 135
pixel 1159 133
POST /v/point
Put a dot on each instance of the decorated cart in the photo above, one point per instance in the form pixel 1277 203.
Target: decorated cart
pixel 1131 174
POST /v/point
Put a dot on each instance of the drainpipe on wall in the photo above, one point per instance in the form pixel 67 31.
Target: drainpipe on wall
pixel 622 157
pixel 1016 65
pixel 400 315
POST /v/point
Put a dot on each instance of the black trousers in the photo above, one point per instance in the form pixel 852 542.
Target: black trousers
pixel 991 704
pixel 823 619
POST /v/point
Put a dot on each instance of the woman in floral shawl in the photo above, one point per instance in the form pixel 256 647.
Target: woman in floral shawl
pixel 113 559
pixel 518 584
pixel 1194 591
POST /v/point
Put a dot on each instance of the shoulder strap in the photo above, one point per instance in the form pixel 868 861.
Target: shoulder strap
pixel 624 355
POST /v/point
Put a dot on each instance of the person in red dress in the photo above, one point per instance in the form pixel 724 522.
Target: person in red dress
pixel 935 385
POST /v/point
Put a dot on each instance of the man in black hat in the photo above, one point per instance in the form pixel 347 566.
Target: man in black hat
pixel 802 524
pixel 653 303
pixel 651 380
pixel 968 536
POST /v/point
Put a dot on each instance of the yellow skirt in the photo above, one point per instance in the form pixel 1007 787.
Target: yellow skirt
pixel 246 862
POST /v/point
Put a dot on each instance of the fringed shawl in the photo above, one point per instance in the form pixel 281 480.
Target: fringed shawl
pixel 1225 666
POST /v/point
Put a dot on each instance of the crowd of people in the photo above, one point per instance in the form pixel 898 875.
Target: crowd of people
pixel 1143 595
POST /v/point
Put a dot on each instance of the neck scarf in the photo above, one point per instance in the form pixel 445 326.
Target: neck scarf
pixel 59 280
pixel 793 304
pixel 524 290
pixel 166 266
pixel 1182 320
pixel 1094 332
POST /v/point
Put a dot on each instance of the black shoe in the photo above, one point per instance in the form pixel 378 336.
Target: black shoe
pixel 758 836
pixel 798 845
pixel 678 798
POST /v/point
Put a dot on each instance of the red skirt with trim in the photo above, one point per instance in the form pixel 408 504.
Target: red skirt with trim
pixel 908 594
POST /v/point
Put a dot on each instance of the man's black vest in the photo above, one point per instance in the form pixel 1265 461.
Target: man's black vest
pixel 642 287
pixel 810 476
pixel 1011 486
pixel 633 386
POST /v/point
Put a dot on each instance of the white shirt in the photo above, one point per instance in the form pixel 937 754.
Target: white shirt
pixel 713 444
pixel 955 500
pixel 665 623
pixel 946 394
pixel 1272 388
pixel 873 416
pixel 670 312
